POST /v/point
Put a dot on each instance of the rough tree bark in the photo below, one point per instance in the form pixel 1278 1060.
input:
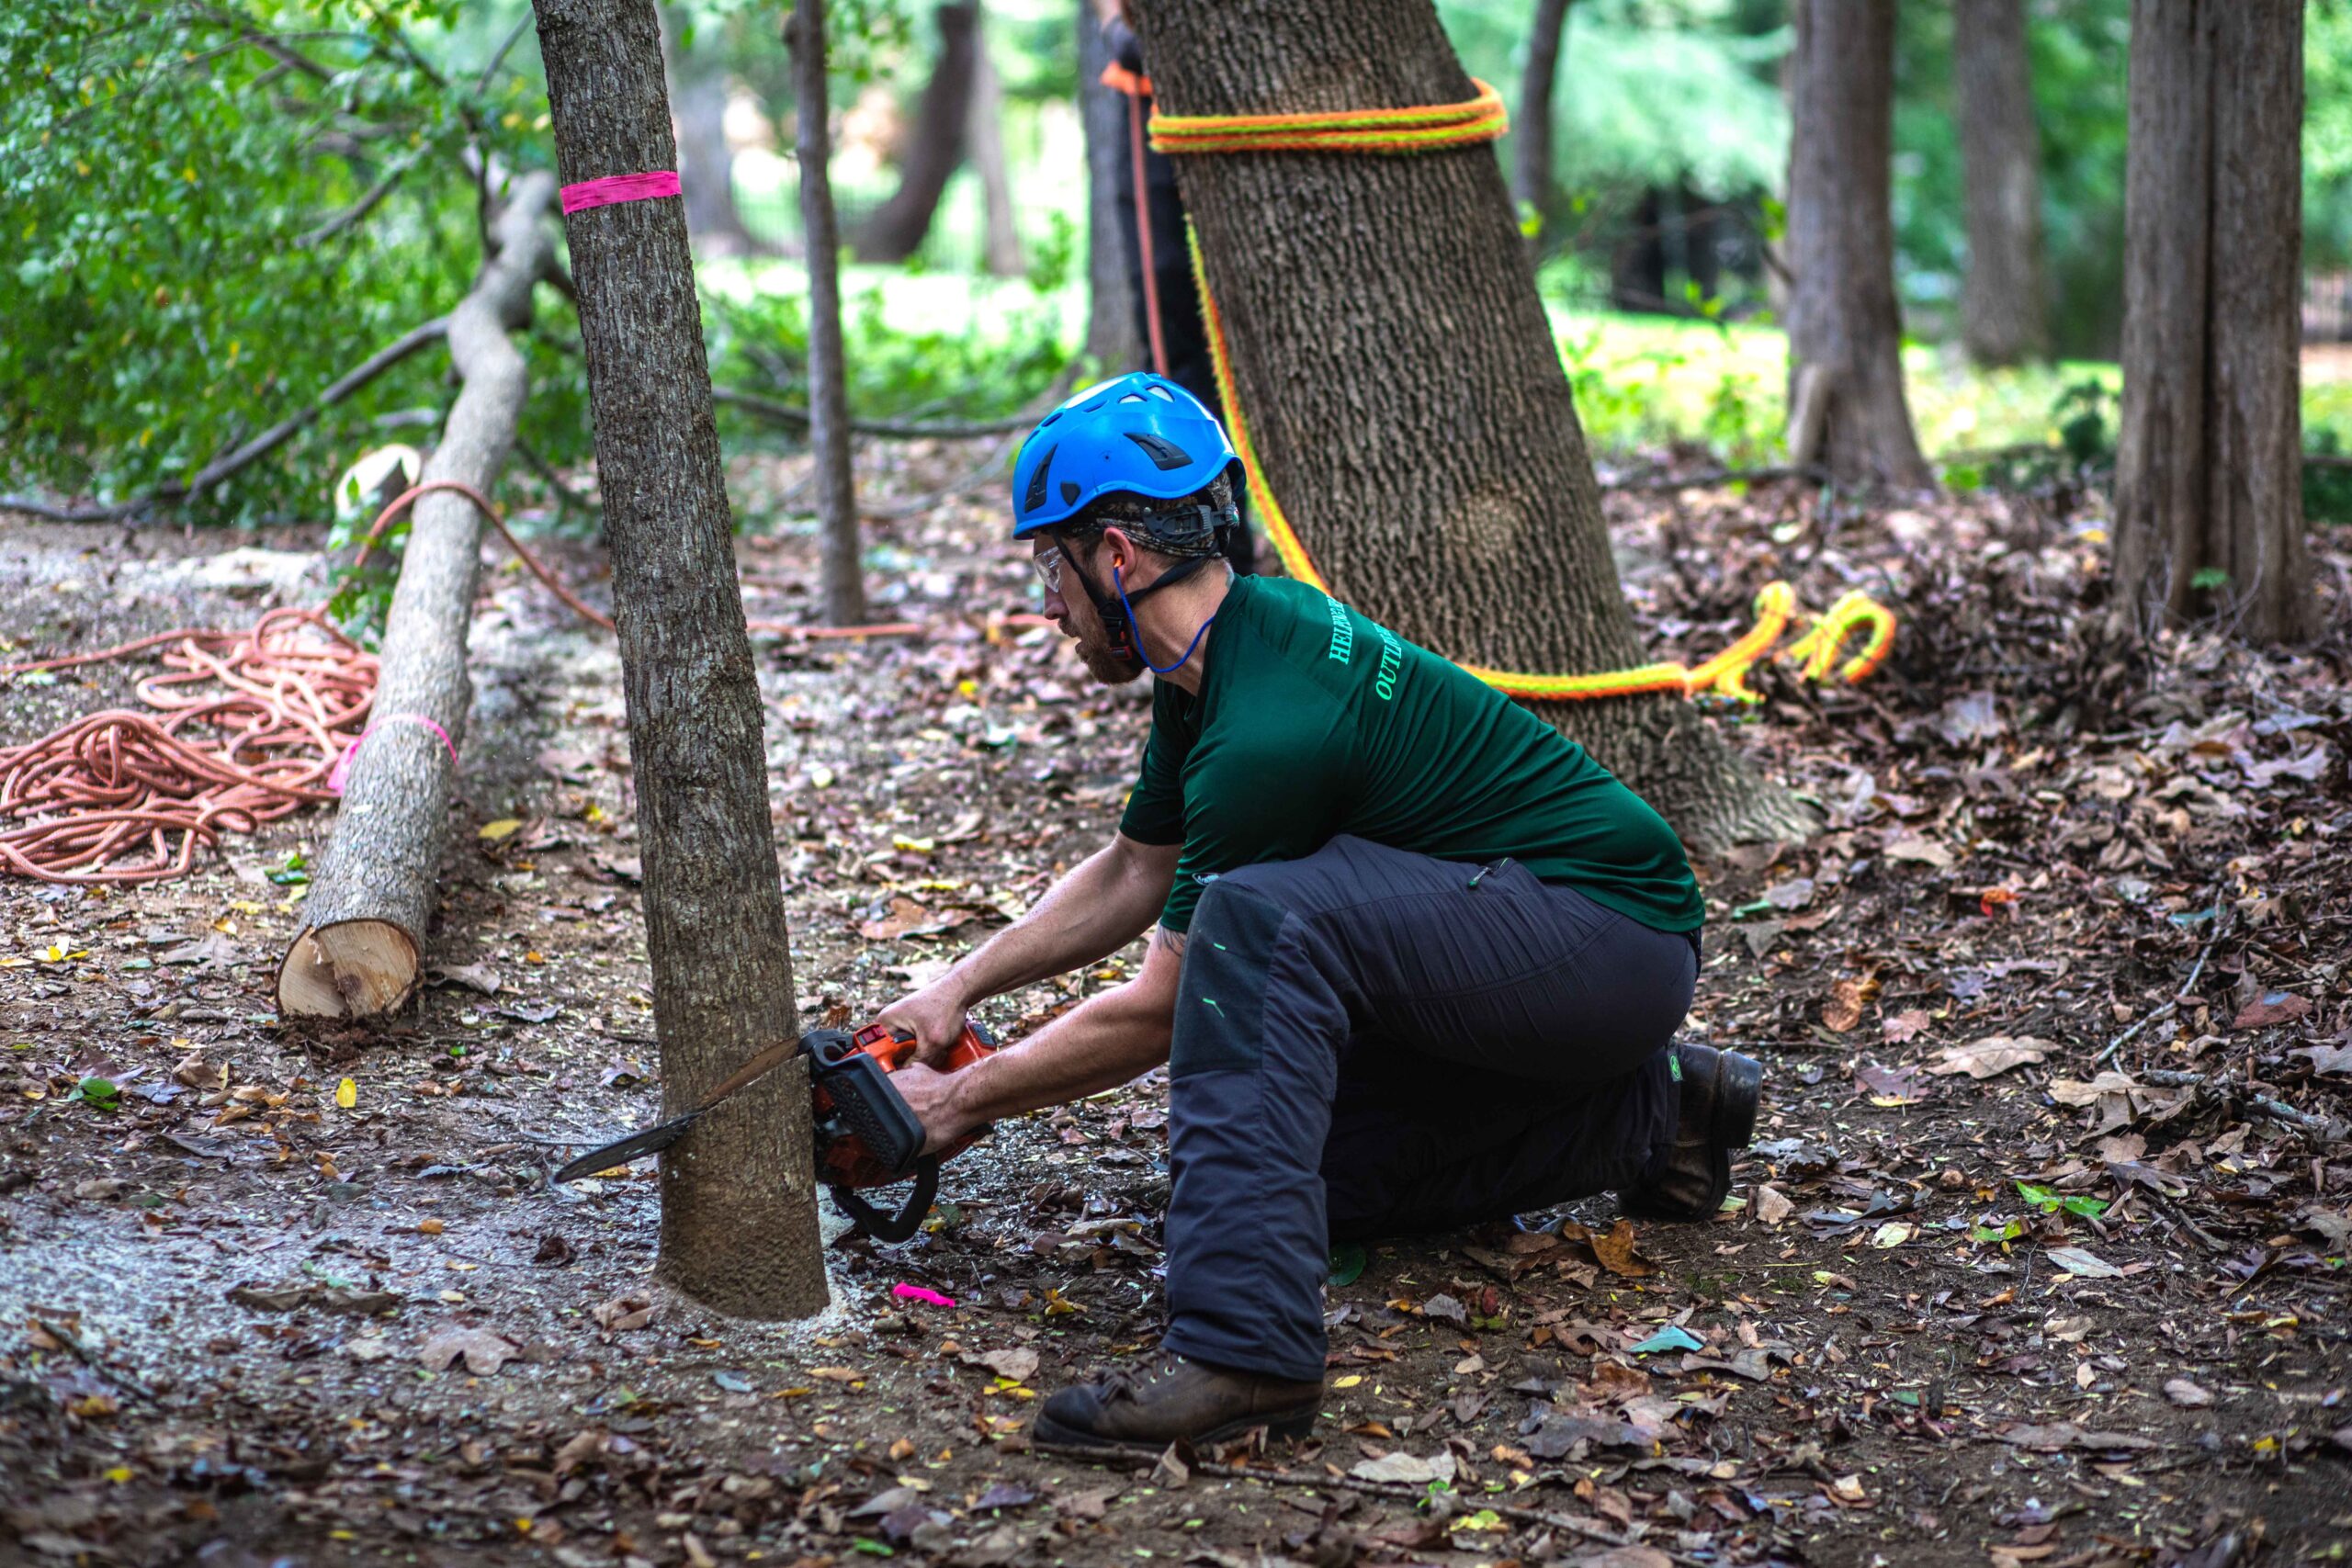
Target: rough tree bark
pixel 894 230
pixel 2209 464
pixel 2004 312
pixel 984 135
pixel 739 1218
pixel 706 159
pixel 840 543
pixel 361 948
pixel 1531 131
pixel 1845 330
pixel 1111 337
pixel 1399 379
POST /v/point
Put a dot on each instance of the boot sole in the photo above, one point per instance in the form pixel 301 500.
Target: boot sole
pixel 1052 1436
pixel 1739 1093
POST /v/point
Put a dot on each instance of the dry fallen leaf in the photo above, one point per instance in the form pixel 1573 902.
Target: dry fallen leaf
pixel 1846 999
pixel 1927 851
pixel 2186 1394
pixel 1017 1365
pixel 484 1350
pixel 624 1313
pixel 1772 1205
pixel 1991 1056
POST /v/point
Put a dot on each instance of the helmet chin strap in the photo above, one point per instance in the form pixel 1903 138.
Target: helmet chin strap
pixel 1127 639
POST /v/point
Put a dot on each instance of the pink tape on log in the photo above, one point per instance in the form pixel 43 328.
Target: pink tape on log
pixel 342 769
pixel 619 188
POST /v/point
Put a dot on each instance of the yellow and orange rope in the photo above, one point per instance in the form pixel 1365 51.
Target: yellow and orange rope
pixel 1424 128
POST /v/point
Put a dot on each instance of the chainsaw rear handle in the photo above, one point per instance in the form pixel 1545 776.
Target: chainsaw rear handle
pixel 884 1225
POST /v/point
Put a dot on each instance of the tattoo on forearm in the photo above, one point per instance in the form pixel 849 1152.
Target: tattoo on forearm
pixel 1171 941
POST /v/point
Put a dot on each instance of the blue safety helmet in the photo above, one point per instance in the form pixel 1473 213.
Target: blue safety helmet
pixel 1139 434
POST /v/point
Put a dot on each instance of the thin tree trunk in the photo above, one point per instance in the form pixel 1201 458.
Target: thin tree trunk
pixel 984 135
pixel 828 433
pixel 2208 495
pixel 739 1219
pixel 706 159
pixel 1397 373
pixel 2004 313
pixel 1111 337
pixel 1530 164
pixel 894 231
pixel 1843 313
pixel 361 948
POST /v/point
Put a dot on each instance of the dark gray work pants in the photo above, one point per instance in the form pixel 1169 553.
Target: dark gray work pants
pixel 1371 1042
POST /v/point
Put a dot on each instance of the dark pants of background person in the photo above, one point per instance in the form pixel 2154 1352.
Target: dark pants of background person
pixel 1184 332
pixel 1373 1043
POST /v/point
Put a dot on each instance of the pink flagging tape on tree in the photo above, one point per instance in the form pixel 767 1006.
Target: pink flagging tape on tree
pixel 342 770
pixel 619 188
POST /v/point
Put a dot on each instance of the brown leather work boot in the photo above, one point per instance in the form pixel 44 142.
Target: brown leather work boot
pixel 1720 1092
pixel 1142 1409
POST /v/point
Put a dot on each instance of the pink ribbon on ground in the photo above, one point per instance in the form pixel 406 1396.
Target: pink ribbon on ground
pixel 342 769
pixel 648 187
pixel 917 1293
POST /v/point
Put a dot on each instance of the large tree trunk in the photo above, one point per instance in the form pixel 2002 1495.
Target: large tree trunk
pixel 361 948
pixel 1531 133
pixel 706 159
pixel 2004 313
pixel 840 544
pixel 1845 331
pixel 1400 382
pixel 2208 490
pixel 984 135
pixel 1111 337
pixel 894 230
pixel 739 1216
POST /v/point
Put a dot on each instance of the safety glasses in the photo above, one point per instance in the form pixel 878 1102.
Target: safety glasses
pixel 1047 565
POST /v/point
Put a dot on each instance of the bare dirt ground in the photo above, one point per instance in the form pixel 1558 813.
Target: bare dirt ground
pixel 1983 1296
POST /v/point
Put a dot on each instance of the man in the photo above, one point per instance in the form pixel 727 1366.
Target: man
pixel 1418 962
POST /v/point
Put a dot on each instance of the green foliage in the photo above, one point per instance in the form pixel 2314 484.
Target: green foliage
pixel 2327 487
pixel 914 348
pixel 2051 1201
pixel 187 264
pixel 97 1093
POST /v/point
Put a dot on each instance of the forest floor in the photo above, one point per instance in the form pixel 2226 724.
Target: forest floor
pixel 1985 1294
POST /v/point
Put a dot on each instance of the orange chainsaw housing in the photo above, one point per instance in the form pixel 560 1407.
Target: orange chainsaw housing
pixel 845 1159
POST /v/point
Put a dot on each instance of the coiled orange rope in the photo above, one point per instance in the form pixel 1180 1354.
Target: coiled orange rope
pixel 267 715
pixel 1427 128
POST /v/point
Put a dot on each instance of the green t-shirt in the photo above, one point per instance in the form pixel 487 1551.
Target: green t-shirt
pixel 1313 721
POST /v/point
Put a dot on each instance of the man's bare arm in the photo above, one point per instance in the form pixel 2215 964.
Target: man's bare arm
pixel 1100 1043
pixel 1106 902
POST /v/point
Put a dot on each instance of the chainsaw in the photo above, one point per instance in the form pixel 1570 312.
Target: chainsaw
pixel 865 1133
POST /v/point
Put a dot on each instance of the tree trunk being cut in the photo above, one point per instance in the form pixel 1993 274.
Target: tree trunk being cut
pixel 2209 512
pixel 1843 318
pixel 1400 381
pixel 739 1214
pixel 360 954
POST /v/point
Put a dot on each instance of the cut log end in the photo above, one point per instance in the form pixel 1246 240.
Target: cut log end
pixel 350 969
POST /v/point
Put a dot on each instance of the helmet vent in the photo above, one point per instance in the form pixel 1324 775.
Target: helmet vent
pixel 1132 397
pixel 1161 393
pixel 1035 497
pixel 1164 454
pixel 1069 492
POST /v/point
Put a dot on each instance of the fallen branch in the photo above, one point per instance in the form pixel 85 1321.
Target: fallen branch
pixel 360 953
pixel 2220 928
pixel 2276 1109
pixel 1401 1492
pixel 796 416
pixel 231 462
pixel 1807 471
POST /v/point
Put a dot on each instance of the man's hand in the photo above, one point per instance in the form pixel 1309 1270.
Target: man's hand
pixel 934 1016
pixel 932 1097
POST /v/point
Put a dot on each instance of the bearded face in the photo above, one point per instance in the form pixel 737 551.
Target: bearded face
pixel 1071 609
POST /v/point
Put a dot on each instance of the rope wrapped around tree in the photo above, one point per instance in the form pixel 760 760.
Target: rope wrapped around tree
pixel 1426 128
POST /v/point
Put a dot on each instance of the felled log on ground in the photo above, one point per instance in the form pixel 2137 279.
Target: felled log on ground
pixel 361 951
